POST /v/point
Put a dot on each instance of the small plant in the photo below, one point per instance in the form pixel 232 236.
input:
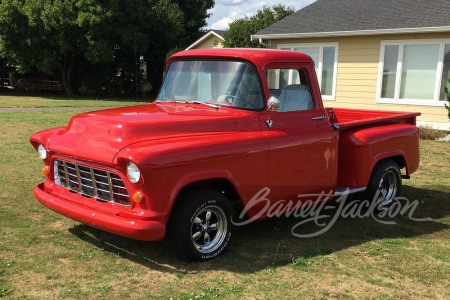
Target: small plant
pixel 6 263
pixel 447 93
pixel 4 291
pixel 426 132
pixel 13 79
pixel 88 255
pixel 236 288
pixel 181 274
pixel 104 287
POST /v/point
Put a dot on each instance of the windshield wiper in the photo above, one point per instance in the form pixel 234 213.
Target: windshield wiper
pixel 205 103
pixel 176 101
pixel 193 102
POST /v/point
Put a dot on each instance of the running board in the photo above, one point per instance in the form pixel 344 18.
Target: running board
pixel 340 190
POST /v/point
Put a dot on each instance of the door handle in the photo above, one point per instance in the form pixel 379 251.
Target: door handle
pixel 319 118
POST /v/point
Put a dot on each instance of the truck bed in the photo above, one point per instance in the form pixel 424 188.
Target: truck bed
pixel 351 118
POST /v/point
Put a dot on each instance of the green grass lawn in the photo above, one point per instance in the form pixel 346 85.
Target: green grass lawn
pixel 45 255
pixel 7 101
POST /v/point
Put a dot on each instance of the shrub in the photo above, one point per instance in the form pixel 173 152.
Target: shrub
pixel 447 92
pixel 429 133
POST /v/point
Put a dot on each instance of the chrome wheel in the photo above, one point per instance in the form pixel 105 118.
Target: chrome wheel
pixel 387 188
pixel 209 229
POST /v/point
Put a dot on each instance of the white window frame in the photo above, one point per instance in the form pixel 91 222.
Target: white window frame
pixel 320 63
pixel 402 43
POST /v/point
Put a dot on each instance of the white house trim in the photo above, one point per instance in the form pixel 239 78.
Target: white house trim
pixel 350 33
pixel 211 32
pixel 445 126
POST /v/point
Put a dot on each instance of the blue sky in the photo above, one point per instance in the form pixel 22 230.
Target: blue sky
pixel 226 11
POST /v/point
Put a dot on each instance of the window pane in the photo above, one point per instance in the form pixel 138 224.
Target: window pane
pixel 327 71
pixel 419 71
pixel 271 76
pixel 389 71
pixel 295 96
pixel 228 83
pixel 204 86
pixel 314 52
pixel 445 72
pixel 295 77
pixel 284 78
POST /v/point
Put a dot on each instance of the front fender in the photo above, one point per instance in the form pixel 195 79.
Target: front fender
pixel 168 165
pixel 44 137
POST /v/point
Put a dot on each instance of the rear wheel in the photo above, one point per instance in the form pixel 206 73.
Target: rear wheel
pixel 385 184
pixel 201 225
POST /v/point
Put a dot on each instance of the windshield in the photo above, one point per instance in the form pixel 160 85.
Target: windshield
pixel 225 83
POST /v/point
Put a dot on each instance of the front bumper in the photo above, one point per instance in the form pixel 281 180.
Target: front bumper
pixel 128 227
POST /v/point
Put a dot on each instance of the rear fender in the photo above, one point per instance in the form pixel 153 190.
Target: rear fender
pixel 361 149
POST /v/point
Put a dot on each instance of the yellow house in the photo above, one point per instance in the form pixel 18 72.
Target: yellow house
pixel 211 39
pixel 378 54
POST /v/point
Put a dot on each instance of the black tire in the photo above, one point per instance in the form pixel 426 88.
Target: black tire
pixel 384 185
pixel 200 225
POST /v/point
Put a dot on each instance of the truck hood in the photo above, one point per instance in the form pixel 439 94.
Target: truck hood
pixel 99 136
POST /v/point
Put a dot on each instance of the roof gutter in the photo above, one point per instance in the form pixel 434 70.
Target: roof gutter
pixel 350 33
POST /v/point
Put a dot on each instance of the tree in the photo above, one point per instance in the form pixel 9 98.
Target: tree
pixel 3 72
pixel 95 41
pixel 193 19
pixel 195 13
pixel 240 30
pixel 39 35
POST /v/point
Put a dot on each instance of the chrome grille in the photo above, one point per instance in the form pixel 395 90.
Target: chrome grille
pixel 90 182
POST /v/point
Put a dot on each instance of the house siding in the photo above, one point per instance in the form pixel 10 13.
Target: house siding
pixel 208 43
pixel 357 74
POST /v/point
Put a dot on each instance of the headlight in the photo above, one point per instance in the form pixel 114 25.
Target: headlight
pixel 133 172
pixel 42 152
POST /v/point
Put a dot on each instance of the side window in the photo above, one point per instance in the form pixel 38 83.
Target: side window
pixel 292 88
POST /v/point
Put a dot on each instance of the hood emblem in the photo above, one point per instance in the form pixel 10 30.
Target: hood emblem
pixel 269 123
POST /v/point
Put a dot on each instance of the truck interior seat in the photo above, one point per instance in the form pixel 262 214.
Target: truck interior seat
pixel 295 97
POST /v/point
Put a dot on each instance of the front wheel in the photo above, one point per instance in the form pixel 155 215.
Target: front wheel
pixel 201 225
pixel 385 184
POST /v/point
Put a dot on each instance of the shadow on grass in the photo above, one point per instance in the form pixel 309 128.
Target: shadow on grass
pixel 65 97
pixel 93 98
pixel 269 243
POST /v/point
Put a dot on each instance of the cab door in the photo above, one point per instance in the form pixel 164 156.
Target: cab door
pixel 302 144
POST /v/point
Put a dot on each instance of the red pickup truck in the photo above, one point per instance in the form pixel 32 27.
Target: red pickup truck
pixel 226 123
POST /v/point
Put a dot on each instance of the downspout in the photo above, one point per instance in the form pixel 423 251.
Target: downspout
pixel 267 45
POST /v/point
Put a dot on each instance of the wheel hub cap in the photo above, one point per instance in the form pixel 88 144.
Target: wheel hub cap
pixel 209 229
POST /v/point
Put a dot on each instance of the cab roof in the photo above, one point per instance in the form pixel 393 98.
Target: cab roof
pixel 259 57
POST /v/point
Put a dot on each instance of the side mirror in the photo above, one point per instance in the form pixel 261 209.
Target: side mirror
pixel 273 104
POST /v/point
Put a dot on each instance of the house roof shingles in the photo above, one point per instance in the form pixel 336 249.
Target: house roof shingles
pixel 361 15
pixel 219 32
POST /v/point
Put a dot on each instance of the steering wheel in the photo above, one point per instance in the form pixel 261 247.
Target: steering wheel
pixel 228 99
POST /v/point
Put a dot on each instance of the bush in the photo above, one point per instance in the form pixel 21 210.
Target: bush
pixel 447 92
pixel 426 132
pixel 13 79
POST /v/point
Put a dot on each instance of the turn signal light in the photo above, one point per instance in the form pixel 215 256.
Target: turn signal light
pixel 137 197
pixel 45 170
